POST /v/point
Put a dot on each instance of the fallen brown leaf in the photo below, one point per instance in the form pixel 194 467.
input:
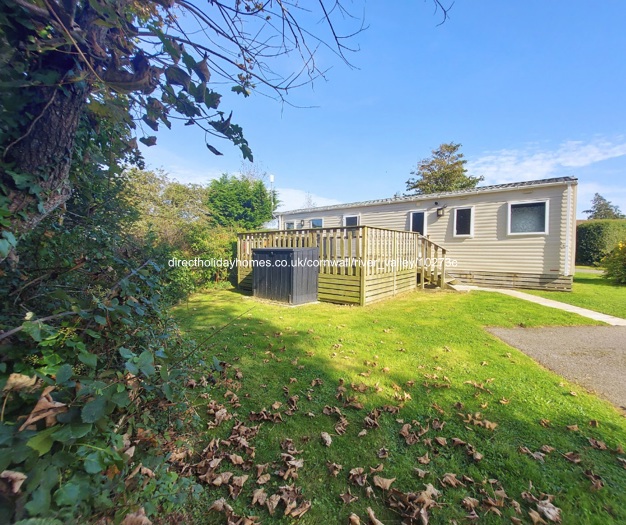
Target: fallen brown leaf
pixel 353 519
pixel 347 497
pixel 549 511
pixel 383 483
pixel 373 519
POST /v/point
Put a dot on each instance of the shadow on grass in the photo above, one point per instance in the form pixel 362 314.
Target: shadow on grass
pixel 437 342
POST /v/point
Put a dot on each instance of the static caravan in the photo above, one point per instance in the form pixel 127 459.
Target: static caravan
pixel 520 235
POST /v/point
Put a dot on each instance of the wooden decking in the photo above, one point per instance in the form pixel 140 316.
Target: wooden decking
pixel 357 265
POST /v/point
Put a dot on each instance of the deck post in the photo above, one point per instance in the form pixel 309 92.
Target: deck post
pixel 443 269
pixel 364 269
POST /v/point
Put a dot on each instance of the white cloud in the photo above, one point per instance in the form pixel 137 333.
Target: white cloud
pixel 514 165
pixel 293 199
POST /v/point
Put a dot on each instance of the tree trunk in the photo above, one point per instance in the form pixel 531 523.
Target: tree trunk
pixel 44 152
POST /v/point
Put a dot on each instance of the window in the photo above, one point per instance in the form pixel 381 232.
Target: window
pixel 350 220
pixel 290 226
pixel 464 222
pixel 528 217
pixel 418 222
pixel 316 223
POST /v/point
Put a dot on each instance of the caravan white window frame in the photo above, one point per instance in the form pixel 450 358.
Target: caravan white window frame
pixel 472 215
pixel 546 230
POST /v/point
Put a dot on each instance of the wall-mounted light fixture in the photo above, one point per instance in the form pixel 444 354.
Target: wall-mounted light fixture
pixel 442 211
pixel 302 223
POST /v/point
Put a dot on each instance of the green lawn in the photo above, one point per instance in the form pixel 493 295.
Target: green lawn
pixel 594 292
pixel 422 359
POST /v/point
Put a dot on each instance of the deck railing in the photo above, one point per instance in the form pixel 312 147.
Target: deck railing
pixel 362 254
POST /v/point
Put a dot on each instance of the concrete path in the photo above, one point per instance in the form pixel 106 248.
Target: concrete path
pixel 592 356
pixel 597 316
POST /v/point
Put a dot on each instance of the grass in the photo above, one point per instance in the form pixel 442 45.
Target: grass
pixel 436 340
pixel 594 292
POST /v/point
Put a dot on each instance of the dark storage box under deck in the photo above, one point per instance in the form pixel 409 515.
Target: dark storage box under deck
pixel 285 274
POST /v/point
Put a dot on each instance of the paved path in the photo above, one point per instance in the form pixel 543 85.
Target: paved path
pixel 597 316
pixel 592 356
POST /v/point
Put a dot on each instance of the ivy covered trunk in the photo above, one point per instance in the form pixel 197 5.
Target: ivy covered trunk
pixel 40 158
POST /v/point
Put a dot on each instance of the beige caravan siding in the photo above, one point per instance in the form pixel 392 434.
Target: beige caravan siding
pixel 491 248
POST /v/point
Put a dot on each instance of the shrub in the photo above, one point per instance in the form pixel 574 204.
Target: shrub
pixel 596 239
pixel 615 264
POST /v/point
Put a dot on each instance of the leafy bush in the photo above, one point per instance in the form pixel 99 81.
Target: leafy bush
pixel 596 238
pixel 92 369
pixel 615 264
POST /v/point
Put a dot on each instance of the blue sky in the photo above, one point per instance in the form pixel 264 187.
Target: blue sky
pixel 531 89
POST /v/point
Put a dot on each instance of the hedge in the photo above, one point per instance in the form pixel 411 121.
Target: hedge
pixel 596 238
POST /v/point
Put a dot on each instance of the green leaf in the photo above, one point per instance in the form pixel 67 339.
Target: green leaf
pixel 145 362
pixel 68 494
pixel 39 502
pixel 64 373
pixel 216 365
pixel 93 463
pixel 126 353
pixel 94 410
pixel 42 441
pixel 100 320
pixel 72 431
pixel 90 360
pixel 5 248
pixel 9 237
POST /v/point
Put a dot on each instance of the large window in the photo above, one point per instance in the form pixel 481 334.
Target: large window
pixel 418 222
pixel 528 217
pixel 350 220
pixel 290 225
pixel 463 222
pixel 317 223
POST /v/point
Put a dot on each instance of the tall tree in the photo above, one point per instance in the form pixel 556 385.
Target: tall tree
pixel 603 209
pixel 241 202
pixel 443 171
pixel 143 64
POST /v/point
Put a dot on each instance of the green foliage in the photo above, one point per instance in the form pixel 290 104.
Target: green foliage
pixel 444 171
pixel 597 238
pixel 615 264
pixel 92 339
pixel 603 209
pixel 240 202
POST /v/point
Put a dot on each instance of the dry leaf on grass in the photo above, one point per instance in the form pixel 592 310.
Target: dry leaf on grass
pixel 536 518
pixel 424 460
pixel 347 497
pixel 421 473
pixel 353 519
pixel 334 468
pixel 599 445
pixel 259 497
pixel 451 480
pixel 596 481
pixel 549 511
pixel 383 483
pixel 373 519
pixel 263 479
pixel 574 457
pixel 326 439
pixel 357 475
pixel 136 518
